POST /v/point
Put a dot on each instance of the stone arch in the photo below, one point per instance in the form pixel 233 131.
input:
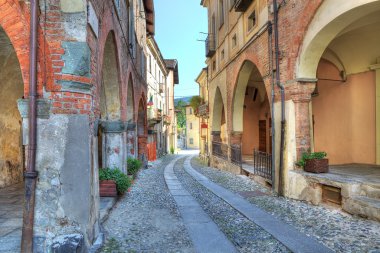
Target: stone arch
pixel 217 110
pixel 11 89
pixel 340 52
pixel 247 71
pixel 332 17
pixel 110 106
pixel 14 21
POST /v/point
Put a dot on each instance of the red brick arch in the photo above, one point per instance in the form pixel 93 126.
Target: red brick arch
pixel 15 20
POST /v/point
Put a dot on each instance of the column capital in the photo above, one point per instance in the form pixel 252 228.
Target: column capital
pixel 300 91
pixel 117 126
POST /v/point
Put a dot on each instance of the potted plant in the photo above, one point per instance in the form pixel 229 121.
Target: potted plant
pixel 314 162
pixel 133 166
pixel 113 182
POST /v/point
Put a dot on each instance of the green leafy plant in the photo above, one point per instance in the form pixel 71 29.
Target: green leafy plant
pixel 195 102
pixel 133 166
pixel 309 156
pixel 123 182
pixel 171 150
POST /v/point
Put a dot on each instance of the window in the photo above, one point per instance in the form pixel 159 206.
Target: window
pixel 222 55
pixel 150 64
pixel 252 20
pixel 190 110
pixel 221 12
pixel 213 65
pixel 191 125
pixel 191 141
pixel 234 41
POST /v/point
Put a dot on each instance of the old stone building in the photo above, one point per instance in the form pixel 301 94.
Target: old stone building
pixel 159 111
pixel 288 77
pixel 203 114
pixel 91 107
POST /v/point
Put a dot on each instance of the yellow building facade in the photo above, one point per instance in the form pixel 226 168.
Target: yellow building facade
pixel 192 129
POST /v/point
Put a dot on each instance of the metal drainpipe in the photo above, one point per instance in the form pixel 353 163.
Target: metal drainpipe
pixel 282 89
pixel 273 130
pixel 31 174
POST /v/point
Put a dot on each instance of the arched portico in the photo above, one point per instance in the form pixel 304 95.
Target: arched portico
pixel 219 126
pixel 340 52
pixel 142 129
pixel 251 111
pixel 112 130
pixel 131 123
pixel 12 158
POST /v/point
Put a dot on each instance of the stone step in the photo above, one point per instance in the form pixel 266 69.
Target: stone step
pixel 371 191
pixel 10 244
pixel 363 206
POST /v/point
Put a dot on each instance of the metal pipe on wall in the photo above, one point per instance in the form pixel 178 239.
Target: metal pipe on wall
pixel 31 174
pixel 282 89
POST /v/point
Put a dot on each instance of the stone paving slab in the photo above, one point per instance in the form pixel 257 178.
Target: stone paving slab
pixel 11 199
pixel 286 234
pixel 205 234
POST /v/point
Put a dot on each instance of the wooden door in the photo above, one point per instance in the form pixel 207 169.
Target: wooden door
pixel 263 135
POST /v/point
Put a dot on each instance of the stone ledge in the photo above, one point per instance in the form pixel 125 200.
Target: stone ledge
pixel 72 86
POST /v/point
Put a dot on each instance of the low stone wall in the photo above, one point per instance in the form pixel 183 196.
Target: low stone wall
pixel 222 164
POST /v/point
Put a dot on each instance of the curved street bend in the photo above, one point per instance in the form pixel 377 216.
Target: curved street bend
pixel 180 205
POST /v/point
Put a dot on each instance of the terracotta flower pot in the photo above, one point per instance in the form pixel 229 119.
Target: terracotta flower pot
pixel 317 165
pixel 107 188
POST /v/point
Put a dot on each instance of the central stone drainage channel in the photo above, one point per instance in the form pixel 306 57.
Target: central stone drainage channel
pixel 204 233
pixel 284 233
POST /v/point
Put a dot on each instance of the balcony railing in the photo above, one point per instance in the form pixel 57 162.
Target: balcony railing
pixel 210 45
pixel 262 163
pixel 203 111
pixel 242 5
pixel 154 116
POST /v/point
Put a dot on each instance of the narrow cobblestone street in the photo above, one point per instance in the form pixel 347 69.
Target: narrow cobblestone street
pixel 150 218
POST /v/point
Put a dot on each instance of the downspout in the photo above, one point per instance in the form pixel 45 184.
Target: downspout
pixel 31 174
pixel 282 89
pixel 273 128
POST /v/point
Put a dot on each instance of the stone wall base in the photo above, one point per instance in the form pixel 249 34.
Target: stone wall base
pixel 222 164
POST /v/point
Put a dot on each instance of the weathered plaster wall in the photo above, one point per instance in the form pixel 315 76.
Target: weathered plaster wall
pixel 344 116
pixel 64 196
pixel 11 89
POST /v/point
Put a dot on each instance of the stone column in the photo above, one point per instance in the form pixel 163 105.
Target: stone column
pixel 376 67
pixel 235 138
pixel 301 95
pixel 114 133
pixel 131 140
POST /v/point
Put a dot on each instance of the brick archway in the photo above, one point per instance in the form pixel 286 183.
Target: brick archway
pixel 247 67
pixel 14 19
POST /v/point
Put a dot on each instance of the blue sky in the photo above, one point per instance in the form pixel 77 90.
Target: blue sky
pixel 178 27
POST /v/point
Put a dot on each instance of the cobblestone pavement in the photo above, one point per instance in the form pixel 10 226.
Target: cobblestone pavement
pixel 339 231
pixel 247 236
pixel 146 219
pixel 11 199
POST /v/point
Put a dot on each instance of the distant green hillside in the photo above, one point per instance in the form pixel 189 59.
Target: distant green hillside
pixel 184 99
